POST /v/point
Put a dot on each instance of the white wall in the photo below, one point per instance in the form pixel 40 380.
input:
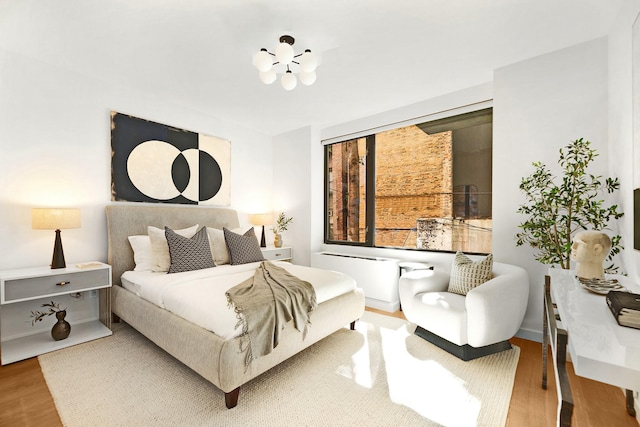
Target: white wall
pixel 621 127
pixel 55 145
pixel 292 189
pixel 540 105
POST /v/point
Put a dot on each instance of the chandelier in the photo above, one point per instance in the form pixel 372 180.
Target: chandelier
pixel 287 62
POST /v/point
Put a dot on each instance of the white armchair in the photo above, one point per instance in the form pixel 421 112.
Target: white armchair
pixel 470 326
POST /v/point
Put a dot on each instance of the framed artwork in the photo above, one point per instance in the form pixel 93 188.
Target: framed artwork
pixel 156 163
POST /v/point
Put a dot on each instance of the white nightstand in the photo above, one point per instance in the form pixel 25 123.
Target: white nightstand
pixel 272 253
pixel 84 292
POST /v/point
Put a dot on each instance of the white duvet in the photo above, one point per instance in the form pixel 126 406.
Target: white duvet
pixel 199 296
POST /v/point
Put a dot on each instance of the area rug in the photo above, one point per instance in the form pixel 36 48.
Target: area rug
pixel 379 375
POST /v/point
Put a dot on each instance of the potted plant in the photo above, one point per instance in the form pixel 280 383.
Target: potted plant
pixel 281 225
pixel 62 328
pixel 556 211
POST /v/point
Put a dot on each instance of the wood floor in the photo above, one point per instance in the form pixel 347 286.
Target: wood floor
pixel 25 399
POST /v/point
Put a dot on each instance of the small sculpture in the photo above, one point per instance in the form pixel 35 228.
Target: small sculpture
pixel 589 250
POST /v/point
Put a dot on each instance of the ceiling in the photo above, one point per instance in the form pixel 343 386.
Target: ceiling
pixel 375 55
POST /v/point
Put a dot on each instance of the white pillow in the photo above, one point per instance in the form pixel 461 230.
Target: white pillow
pixel 161 260
pixel 219 246
pixel 141 246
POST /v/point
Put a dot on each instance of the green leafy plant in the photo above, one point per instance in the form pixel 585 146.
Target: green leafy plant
pixel 281 223
pixel 556 211
pixel 39 315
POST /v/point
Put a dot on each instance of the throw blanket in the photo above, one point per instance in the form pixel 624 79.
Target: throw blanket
pixel 266 302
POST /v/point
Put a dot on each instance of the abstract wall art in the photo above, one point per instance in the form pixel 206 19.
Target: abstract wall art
pixel 156 163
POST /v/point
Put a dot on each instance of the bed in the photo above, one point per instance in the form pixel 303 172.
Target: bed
pixel 216 358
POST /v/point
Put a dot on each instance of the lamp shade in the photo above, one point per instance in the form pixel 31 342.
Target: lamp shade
pixel 268 77
pixel 284 53
pixel 261 218
pixel 308 61
pixel 307 77
pixel 288 81
pixel 263 61
pixel 55 218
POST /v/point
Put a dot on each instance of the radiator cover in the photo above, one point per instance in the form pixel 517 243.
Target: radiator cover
pixel 377 276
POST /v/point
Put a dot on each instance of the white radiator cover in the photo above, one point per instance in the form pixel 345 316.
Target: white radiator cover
pixel 378 277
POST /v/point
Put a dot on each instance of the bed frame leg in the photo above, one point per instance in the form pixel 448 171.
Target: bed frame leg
pixel 231 398
pixel 352 326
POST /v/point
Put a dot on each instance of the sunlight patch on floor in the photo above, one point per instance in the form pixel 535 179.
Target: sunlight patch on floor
pixel 412 380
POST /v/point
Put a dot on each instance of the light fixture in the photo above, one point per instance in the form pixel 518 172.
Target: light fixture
pixel 261 219
pixel 55 219
pixel 287 63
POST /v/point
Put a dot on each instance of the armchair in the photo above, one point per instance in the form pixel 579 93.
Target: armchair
pixel 470 326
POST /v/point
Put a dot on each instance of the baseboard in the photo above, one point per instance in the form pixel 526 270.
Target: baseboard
pixel 464 352
pixel 528 334
pixel 390 306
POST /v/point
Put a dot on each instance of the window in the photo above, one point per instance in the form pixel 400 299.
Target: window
pixel 423 186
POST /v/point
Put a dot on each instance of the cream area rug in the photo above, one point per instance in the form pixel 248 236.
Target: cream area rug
pixel 379 375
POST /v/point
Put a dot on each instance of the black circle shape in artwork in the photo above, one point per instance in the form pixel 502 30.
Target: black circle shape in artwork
pixel 210 176
pixel 180 172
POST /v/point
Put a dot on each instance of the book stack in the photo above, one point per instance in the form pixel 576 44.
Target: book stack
pixel 625 307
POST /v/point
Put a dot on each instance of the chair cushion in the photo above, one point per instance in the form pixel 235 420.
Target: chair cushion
pixel 442 313
pixel 467 274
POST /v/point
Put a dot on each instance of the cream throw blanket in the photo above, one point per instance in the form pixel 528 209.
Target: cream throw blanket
pixel 266 302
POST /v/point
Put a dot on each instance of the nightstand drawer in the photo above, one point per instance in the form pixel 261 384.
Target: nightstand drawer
pixel 274 254
pixel 23 288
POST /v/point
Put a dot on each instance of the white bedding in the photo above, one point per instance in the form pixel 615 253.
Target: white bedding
pixel 199 296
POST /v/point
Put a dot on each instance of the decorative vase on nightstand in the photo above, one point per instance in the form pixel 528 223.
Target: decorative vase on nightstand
pixel 277 242
pixel 62 328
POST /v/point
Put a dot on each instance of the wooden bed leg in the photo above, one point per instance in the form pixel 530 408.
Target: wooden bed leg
pixel 352 326
pixel 231 398
pixel 115 318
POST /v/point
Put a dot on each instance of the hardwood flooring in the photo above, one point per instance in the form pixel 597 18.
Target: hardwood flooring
pixel 25 399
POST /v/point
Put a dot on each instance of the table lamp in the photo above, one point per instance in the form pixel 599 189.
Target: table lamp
pixel 261 219
pixel 55 219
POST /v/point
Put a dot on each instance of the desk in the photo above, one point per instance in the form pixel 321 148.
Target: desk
pixel 600 349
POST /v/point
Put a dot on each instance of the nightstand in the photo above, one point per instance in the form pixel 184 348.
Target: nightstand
pixel 272 253
pixel 83 292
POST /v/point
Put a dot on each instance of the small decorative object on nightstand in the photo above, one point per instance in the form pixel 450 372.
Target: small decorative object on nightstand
pixel 273 253
pixel 61 329
pixel 85 287
pixel 281 225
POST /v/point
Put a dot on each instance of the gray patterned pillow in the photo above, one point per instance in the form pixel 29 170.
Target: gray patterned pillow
pixel 188 254
pixel 467 274
pixel 242 249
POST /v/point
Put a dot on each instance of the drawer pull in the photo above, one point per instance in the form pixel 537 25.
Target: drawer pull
pixel 62 283
pixel 278 254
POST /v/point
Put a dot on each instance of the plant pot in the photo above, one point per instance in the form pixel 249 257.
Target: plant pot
pixel 277 241
pixel 62 328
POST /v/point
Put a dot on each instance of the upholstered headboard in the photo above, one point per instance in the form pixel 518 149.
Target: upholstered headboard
pixel 127 220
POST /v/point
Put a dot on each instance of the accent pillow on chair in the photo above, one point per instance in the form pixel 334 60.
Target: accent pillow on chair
pixel 467 274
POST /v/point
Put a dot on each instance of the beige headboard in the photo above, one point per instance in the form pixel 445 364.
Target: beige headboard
pixel 127 220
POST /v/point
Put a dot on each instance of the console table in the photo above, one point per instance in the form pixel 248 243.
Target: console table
pixel 579 321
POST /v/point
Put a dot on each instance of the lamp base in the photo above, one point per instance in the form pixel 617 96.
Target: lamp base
pixel 57 261
pixel 263 240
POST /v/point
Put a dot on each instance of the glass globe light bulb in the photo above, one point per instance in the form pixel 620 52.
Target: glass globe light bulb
pixel 288 81
pixel 268 77
pixel 284 53
pixel 262 60
pixel 307 77
pixel 308 61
